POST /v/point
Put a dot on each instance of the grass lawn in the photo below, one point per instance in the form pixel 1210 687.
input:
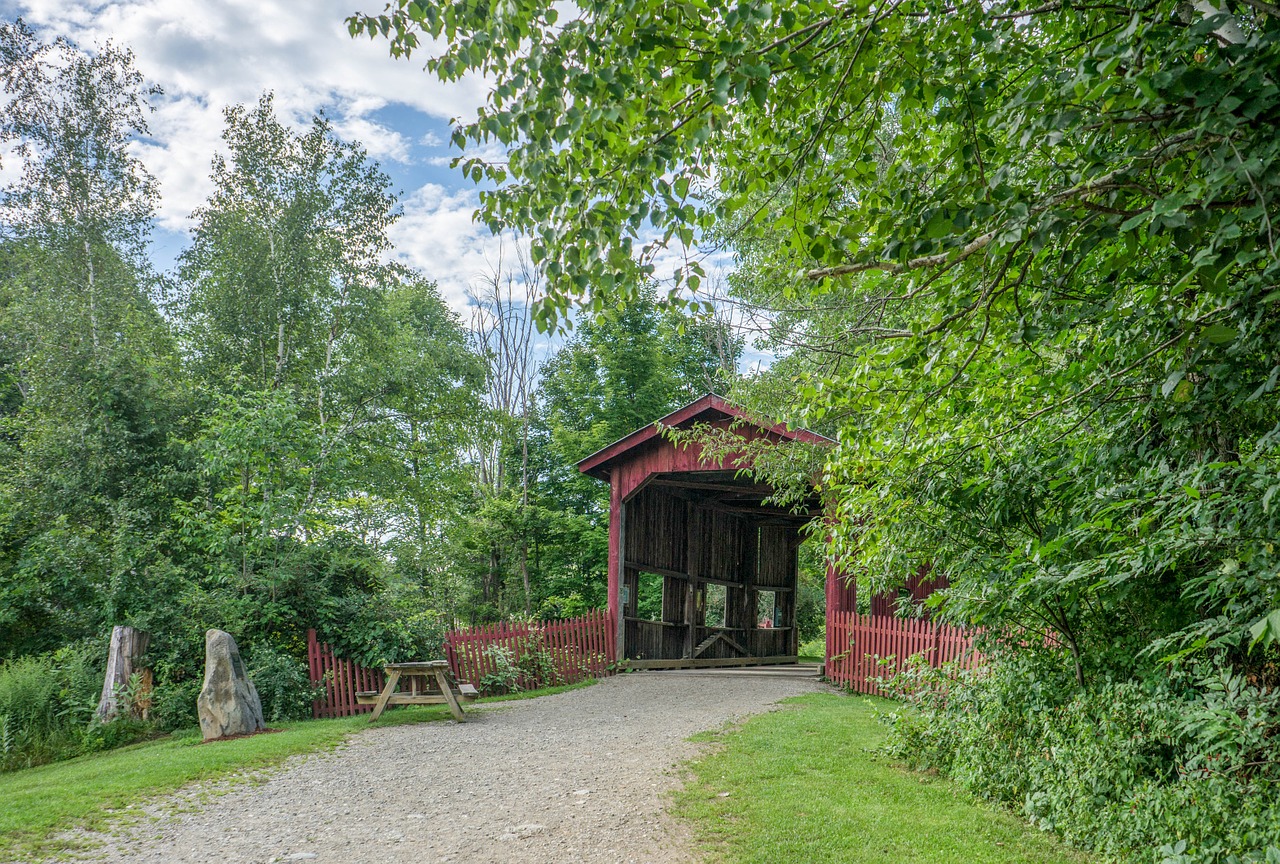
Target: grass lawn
pixel 803 786
pixel 96 791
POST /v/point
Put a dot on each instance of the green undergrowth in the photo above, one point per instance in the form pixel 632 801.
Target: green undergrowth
pixel 806 784
pixel 106 790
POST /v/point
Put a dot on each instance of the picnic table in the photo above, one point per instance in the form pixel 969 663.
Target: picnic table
pixel 429 683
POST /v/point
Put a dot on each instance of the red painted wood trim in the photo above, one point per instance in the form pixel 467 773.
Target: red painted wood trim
pixel 708 403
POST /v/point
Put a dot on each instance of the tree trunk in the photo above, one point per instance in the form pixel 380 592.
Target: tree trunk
pixel 124 658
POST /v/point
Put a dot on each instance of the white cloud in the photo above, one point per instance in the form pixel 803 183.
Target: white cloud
pixel 438 235
pixel 488 151
pixel 210 55
pixel 380 140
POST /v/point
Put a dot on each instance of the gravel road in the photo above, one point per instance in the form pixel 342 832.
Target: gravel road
pixel 578 776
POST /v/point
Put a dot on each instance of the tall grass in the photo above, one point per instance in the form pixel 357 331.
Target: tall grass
pixel 47 704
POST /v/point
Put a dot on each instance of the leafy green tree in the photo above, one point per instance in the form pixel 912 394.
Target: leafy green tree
pixel 91 387
pixel 1026 257
pixel 340 389
pixel 285 266
pixel 1048 229
pixel 617 373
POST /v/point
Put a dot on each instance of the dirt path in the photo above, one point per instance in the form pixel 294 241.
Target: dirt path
pixel 579 776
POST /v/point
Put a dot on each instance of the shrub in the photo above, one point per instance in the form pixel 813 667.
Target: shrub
pixel 174 702
pixel 1182 770
pixel 528 666
pixel 505 676
pixel 283 684
pixel 29 711
pixel 47 705
pixel 557 607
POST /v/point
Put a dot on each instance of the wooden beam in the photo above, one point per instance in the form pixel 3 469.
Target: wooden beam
pixel 657 623
pixel 741 488
pixel 712 662
pixel 387 689
pixel 649 568
pixel 735 646
pixel 691 589
pixel 621 636
pixel 760 509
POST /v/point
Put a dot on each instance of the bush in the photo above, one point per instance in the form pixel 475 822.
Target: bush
pixel 29 711
pixel 1179 771
pixel 283 684
pixel 174 703
pixel 811 611
pixel 529 666
pixel 505 677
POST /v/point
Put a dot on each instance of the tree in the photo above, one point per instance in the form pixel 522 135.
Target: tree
pixel 1057 286
pixel 90 384
pixel 616 374
pixel 504 334
pixel 1027 254
pixel 339 389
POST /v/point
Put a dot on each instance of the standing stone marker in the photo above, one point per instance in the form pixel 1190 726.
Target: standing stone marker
pixel 228 703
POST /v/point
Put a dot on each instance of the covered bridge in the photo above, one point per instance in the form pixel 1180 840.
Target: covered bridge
pixel 702 572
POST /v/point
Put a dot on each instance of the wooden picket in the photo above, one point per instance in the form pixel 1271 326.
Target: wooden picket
pixel 862 648
pixel 579 648
pixel 341 678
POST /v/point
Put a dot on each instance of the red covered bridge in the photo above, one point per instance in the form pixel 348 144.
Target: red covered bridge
pixel 702 572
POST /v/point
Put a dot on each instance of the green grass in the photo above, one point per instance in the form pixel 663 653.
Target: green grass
pixel 105 789
pixel 814 651
pixel 805 785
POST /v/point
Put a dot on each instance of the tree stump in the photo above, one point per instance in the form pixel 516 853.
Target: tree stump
pixel 124 658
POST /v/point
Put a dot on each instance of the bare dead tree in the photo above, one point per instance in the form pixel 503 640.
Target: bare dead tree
pixel 504 331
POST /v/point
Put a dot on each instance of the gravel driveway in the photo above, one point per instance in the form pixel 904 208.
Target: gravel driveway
pixel 578 776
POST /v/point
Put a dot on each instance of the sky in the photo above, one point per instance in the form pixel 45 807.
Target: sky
pixel 208 55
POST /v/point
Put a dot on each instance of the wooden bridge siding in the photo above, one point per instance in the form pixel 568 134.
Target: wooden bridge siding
pixel 657 523
pixel 629 476
pixel 654 640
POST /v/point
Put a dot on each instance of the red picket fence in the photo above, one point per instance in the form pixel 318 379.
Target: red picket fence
pixel 342 680
pixel 856 642
pixel 580 648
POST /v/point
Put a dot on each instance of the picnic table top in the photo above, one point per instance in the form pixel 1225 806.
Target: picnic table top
pixel 417 666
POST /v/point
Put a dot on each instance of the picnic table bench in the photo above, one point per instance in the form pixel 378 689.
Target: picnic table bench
pixel 429 684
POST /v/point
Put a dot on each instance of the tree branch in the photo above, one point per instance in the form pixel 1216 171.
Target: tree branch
pixel 950 257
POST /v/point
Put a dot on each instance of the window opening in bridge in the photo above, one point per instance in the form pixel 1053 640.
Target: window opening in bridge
pixel 715 605
pixel 767 609
pixel 649 597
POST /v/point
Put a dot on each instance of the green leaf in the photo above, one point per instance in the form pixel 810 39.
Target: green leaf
pixel 1219 334
pixel 1266 630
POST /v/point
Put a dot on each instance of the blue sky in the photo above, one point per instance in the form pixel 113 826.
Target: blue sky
pixel 424 164
pixel 209 55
